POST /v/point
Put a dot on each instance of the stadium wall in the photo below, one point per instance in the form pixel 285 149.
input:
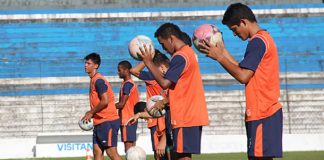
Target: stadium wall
pixel 72 4
pixel 54 42
pixel 303 108
pixel 32 109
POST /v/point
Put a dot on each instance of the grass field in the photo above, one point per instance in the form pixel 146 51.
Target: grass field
pixel 309 155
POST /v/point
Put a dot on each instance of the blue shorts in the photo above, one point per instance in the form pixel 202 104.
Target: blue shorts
pixel 187 139
pixel 153 129
pixel 264 136
pixel 106 134
pixel 128 133
pixel 168 127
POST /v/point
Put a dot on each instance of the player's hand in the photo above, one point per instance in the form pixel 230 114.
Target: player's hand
pixel 87 117
pixel 154 112
pixel 133 119
pixel 160 149
pixel 147 53
pixel 214 52
pixel 159 104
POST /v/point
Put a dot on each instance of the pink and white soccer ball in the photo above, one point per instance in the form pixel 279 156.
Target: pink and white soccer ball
pixel 206 32
pixel 136 43
pixel 135 153
pixel 150 103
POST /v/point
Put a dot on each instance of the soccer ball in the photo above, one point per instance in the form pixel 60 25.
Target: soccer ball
pixel 86 126
pixel 136 43
pixel 206 32
pixel 150 103
pixel 135 153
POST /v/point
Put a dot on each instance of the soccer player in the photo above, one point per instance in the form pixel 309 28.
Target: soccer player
pixel 103 111
pixel 159 135
pixel 159 127
pixel 259 71
pixel 128 97
pixel 186 94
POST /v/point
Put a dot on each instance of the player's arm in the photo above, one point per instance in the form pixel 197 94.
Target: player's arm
pixel 161 131
pixel 142 115
pixel 229 56
pixel 101 88
pixel 122 101
pixel 124 97
pixel 148 61
pixel 221 54
pixel 160 150
pixel 137 69
pixel 158 76
pixel 240 74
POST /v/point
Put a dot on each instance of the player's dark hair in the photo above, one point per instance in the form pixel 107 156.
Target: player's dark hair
pixel 160 58
pixel 139 107
pixel 95 58
pixel 237 11
pixel 186 38
pixel 168 29
pixel 125 64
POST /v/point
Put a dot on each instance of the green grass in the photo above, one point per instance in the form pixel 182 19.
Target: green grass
pixel 309 155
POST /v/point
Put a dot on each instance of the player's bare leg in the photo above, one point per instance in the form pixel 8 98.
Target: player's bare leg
pixel 113 154
pixel 129 145
pixel 97 152
pixel 184 156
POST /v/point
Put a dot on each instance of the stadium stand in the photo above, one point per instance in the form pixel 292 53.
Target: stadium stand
pixel 43 87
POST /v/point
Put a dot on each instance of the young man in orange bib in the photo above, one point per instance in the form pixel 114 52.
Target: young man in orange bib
pixel 259 71
pixel 160 127
pixel 186 94
pixel 103 111
pixel 128 97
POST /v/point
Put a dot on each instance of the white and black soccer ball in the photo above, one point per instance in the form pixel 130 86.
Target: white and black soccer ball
pixel 135 153
pixel 136 43
pixel 86 125
pixel 150 103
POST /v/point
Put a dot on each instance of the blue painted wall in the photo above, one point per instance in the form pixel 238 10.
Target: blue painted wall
pixel 57 49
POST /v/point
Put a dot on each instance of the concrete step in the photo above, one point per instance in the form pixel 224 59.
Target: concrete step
pixel 20 123
pixel 19 134
pixel 60 113
pixel 22 128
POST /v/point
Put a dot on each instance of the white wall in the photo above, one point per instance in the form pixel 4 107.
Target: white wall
pixel 17 147
pixel 24 148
